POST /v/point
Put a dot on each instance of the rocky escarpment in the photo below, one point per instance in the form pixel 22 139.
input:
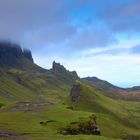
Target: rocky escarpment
pixel 61 72
pixel 57 68
pixel 27 54
pixel 10 53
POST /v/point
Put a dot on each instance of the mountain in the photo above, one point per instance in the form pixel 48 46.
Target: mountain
pixel 13 56
pixel 38 103
pixel 110 90
pixel 31 82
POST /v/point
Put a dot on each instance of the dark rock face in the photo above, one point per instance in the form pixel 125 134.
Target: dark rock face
pixel 74 73
pixel 75 92
pixel 57 67
pixel 10 53
pixel 27 54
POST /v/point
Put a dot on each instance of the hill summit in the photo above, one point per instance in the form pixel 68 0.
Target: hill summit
pixel 10 53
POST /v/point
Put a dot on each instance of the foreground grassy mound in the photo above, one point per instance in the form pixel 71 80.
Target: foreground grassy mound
pixel 28 123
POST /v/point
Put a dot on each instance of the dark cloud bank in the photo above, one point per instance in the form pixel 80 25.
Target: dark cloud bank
pixel 35 23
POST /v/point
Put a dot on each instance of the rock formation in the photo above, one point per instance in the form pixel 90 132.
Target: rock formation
pixel 60 70
pixel 86 127
pixel 75 92
pixel 57 67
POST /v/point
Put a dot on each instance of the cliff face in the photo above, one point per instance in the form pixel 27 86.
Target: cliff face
pixel 27 54
pixel 57 67
pixel 10 53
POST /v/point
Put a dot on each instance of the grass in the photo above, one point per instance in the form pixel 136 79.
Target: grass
pixel 5 103
pixel 79 137
pixel 12 90
pixel 28 123
pixel 132 107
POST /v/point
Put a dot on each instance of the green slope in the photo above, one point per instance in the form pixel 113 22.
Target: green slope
pixel 29 82
pixel 111 114
pixel 27 123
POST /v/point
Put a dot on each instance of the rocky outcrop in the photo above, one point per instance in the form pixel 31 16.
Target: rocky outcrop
pixel 57 67
pixel 85 127
pixel 10 53
pixel 75 92
pixel 60 70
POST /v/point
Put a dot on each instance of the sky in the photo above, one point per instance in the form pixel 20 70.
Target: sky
pixel 94 37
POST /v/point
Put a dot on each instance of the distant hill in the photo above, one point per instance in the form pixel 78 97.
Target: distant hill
pixel 101 83
pixel 113 91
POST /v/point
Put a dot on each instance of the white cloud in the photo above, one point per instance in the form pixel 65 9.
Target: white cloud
pixel 123 46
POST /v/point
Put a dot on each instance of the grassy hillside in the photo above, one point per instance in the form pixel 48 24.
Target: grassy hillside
pixel 111 114
pixel 132 107
pixel 29 82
